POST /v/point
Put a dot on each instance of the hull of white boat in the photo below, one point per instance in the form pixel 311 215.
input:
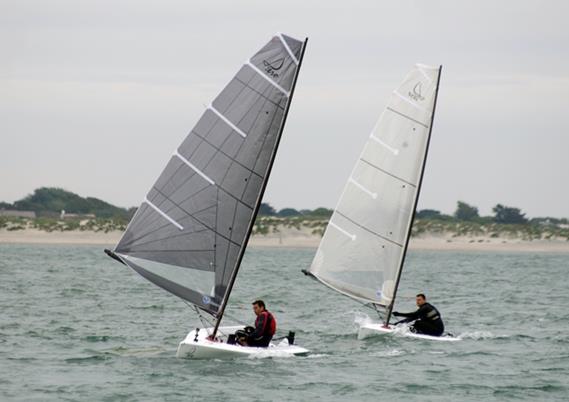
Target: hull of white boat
pixel 199 347
pixel 378 329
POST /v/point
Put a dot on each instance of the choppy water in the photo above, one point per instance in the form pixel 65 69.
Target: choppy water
pixel 74 325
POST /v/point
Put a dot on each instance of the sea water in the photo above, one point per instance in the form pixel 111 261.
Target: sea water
pixel 77 326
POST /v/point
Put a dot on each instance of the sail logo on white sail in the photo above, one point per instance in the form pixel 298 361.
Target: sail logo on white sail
pixel 416 94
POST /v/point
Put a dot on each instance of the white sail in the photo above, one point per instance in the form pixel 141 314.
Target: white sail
pixel 364 245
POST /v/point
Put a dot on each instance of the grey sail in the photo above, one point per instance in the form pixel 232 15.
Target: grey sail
pixel 189 233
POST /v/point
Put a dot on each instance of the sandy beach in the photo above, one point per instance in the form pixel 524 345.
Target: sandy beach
pixel 290 237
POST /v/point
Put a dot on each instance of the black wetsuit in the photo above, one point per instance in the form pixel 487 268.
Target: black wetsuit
pixel 427 319
pixel 265 325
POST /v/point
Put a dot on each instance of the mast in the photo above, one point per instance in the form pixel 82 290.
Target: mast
pixel 259 199
pixel 392 304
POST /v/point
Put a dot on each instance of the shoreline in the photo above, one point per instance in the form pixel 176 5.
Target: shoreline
pixel 301 239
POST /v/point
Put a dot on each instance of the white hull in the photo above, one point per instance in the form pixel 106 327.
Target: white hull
pixel 202 348
pixel 377 329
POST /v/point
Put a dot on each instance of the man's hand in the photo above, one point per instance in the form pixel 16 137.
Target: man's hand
pixel 397 314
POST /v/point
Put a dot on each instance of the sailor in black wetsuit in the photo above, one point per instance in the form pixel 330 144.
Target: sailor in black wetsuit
pixel 427 319
pixel 265 327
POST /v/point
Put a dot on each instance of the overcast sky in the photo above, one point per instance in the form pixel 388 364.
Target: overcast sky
pixel 95 95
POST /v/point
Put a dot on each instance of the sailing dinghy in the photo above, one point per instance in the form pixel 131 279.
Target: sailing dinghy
pixel 190 233
pixel 362 252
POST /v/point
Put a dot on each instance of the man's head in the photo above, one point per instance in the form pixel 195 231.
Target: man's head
pixel 420 299
pixel 258 307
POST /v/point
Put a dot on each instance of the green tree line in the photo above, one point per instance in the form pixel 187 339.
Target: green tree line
pixel 48 201
pixel 502 214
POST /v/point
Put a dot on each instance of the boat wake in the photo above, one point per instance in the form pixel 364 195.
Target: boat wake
pixel 478 335
pixel 265 354
pixel 361 319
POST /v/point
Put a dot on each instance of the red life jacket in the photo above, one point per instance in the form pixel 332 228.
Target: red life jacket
pixel 270 323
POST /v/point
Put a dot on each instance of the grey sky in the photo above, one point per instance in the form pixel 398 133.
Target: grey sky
pixel 94 96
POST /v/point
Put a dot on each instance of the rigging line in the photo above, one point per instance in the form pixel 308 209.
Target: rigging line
pixel 381 314
pixel 407 117
pixel 237 320
pixel 206 324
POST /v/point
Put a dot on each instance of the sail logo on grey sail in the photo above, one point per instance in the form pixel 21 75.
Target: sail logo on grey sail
pixel 272 67
pixel 416 94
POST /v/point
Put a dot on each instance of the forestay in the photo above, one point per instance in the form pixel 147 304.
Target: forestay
pixel 190 231
pixel 363 248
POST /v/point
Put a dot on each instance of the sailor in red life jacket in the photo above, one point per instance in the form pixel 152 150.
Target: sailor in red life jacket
pixel 265 326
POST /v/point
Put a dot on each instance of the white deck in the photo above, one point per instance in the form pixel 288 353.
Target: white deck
pixel 378 329
pixel 199 347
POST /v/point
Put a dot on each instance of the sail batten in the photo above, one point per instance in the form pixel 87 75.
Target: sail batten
pixel 378 202
pixel 226 120
pixel 367 229
pixel 189 234
pixel 195 169
pixel 162 213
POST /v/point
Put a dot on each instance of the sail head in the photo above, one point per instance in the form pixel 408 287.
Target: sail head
pixel 189 231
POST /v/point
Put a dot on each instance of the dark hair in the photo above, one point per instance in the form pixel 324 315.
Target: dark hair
pixel 259 303
pixel 422 295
